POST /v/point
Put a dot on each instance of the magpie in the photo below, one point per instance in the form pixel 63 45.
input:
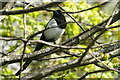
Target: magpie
pixel 53 30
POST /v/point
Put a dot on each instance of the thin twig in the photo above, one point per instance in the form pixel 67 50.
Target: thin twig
pixel 93 47
pixel 71 53
pixel 55 45
pixel 99 5
pixel 93 73
pixel 53 58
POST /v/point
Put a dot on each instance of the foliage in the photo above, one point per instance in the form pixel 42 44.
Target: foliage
pixel 13 26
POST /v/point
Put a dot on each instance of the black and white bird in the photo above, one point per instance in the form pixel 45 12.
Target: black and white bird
pixel 54 29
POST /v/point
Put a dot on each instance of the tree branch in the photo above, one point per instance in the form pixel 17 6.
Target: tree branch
pixel 61 67
pixel 32 9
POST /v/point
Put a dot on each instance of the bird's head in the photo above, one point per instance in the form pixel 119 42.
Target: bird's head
pixel 59 18
pixel 57 12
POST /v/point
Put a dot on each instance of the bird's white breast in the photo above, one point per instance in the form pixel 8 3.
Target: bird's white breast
pixel 53 33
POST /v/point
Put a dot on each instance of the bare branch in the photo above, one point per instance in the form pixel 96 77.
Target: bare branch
pixel 32 9
pixel 44 8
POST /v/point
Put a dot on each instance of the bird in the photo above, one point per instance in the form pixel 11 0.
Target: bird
pixel 53 30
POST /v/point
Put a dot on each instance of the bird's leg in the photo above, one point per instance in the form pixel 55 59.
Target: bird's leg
pixel 54 42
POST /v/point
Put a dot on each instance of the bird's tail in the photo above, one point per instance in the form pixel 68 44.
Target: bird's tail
pixel 38 47
pixel 26 64
pixel 24 67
